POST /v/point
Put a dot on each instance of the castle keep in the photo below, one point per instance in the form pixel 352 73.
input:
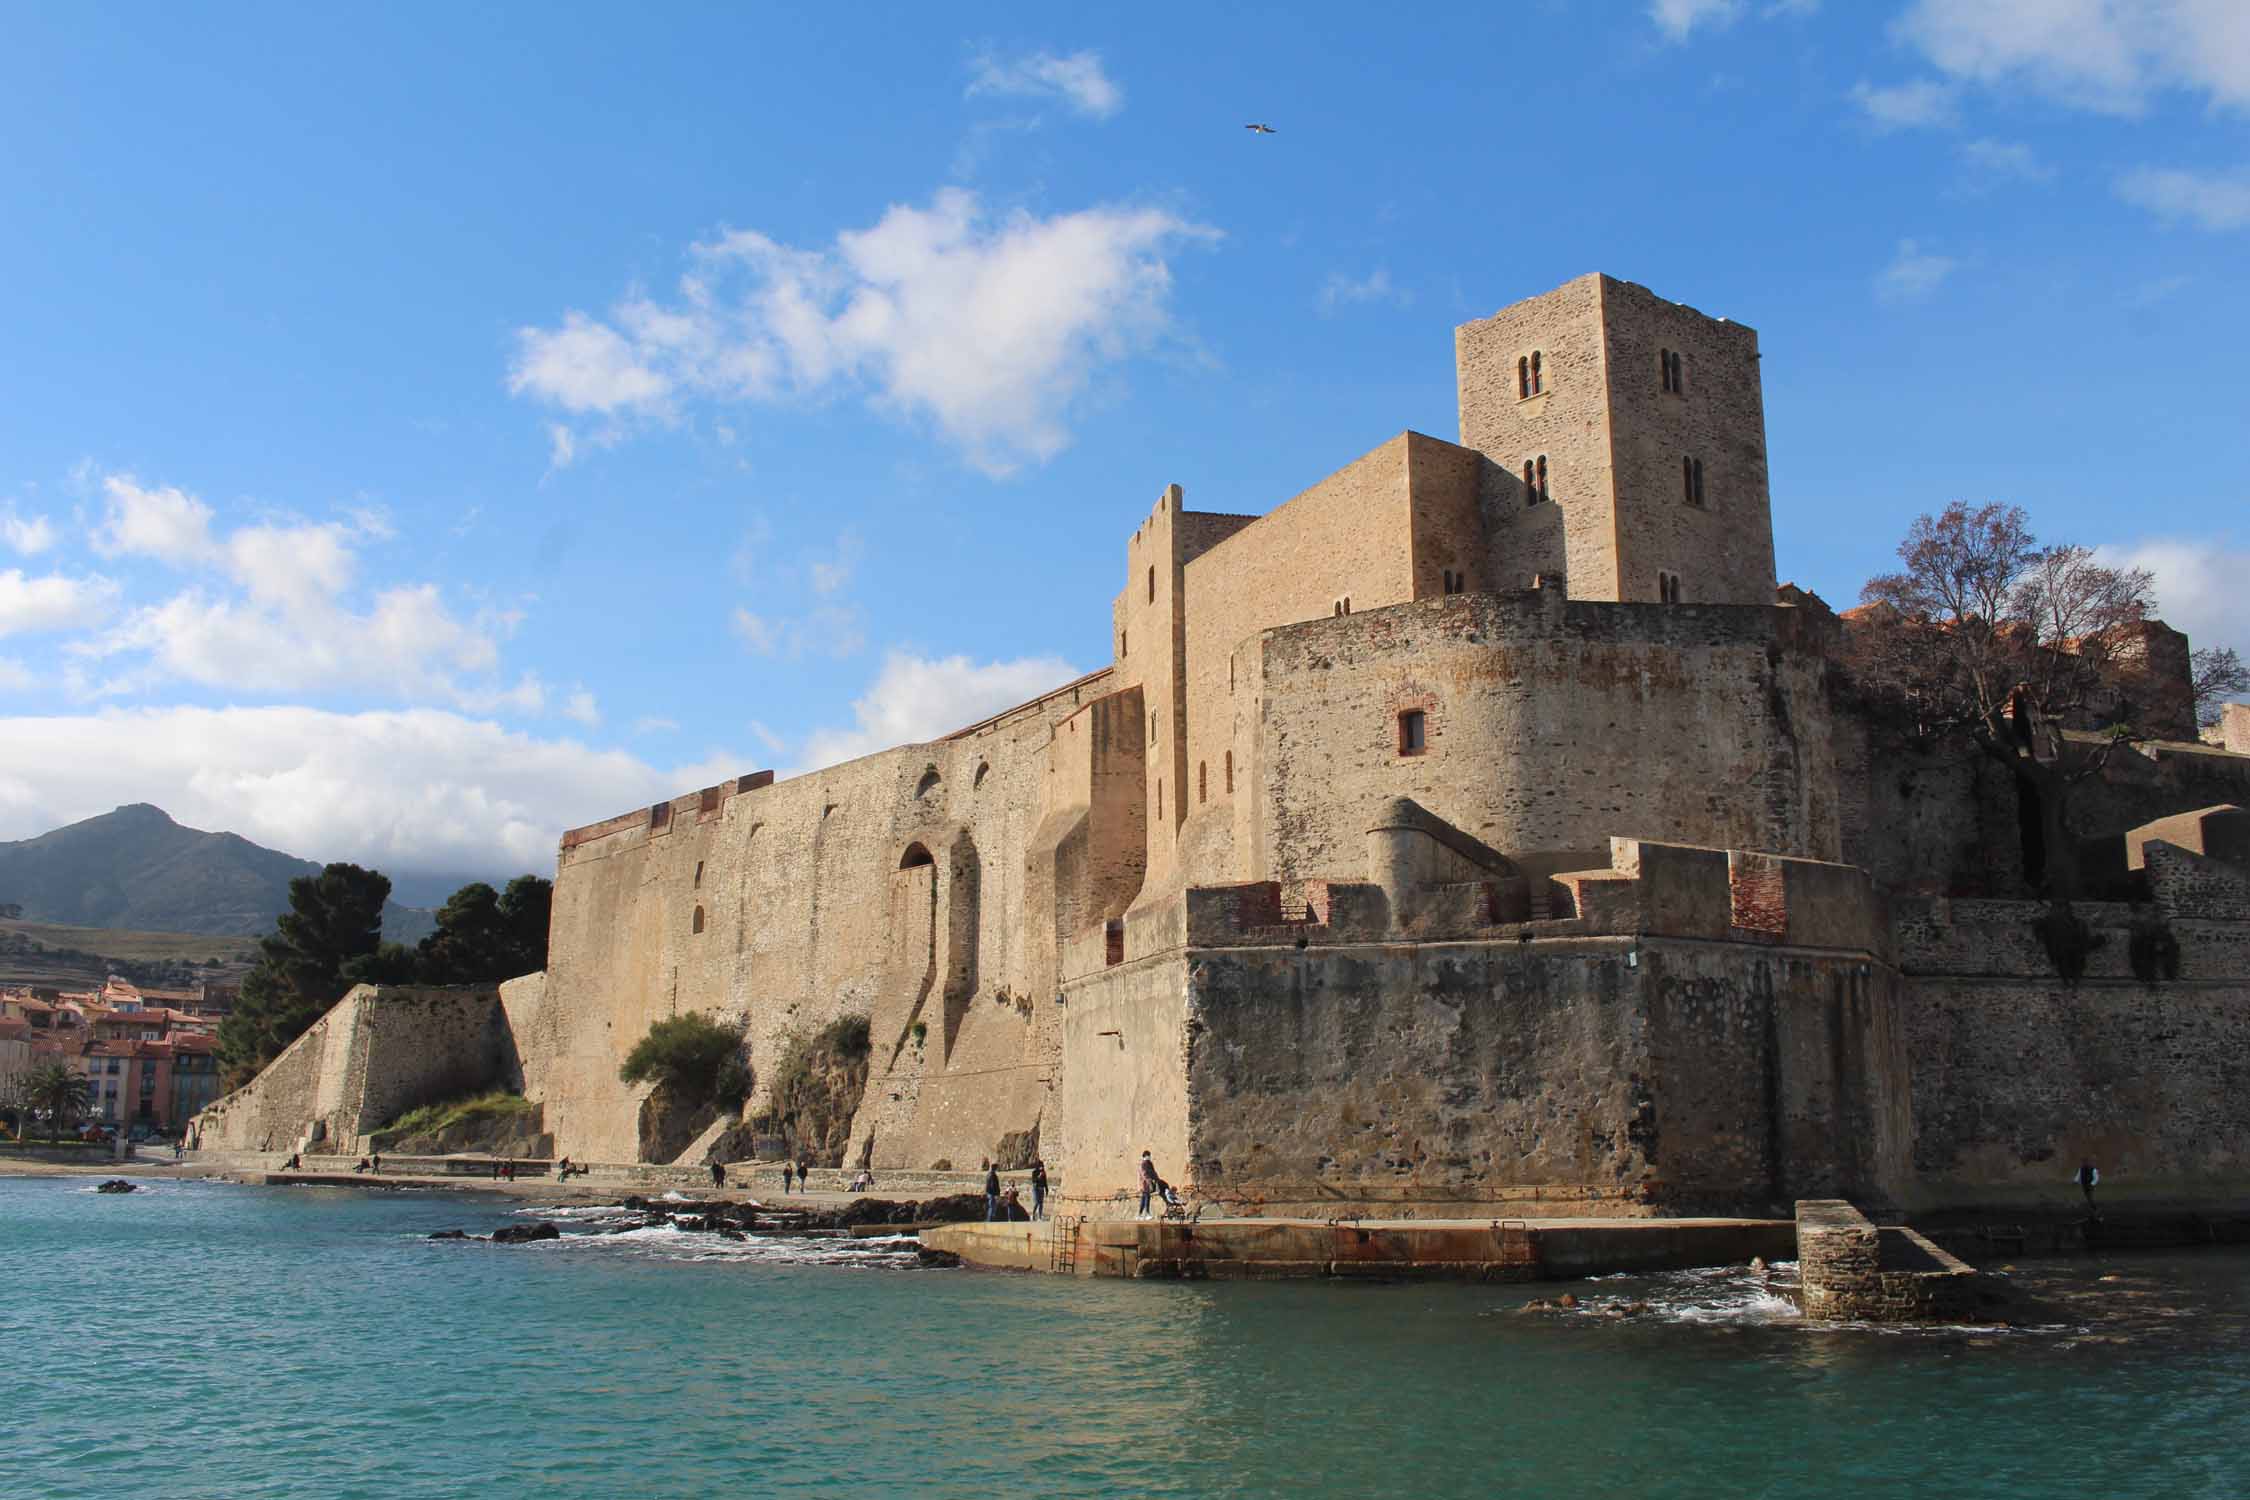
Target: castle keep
pixel 1473 829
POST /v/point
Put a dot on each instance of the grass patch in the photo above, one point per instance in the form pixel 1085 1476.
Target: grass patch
pixel 476 1109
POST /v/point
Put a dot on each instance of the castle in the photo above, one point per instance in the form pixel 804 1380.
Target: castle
pixel 1478 828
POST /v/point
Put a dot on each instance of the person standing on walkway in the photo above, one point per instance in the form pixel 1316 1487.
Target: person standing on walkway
pixel 376 1164
pixel 1148 1182
pixel 991 1193
pixel 1038 1188
pixel 2086 1178
pixel 804 1174
pixel 788 1175
pixel 718 1175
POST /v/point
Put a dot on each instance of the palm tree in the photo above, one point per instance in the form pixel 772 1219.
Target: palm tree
pixel 60 1090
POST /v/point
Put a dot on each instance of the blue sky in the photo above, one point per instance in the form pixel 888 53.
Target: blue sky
pixel 423 428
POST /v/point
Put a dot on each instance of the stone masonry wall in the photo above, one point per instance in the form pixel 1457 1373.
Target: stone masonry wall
pixel 376 1054
pixel 1549 725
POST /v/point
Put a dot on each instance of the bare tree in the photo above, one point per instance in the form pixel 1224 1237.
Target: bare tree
pixel 2216 673
pixel 1986 635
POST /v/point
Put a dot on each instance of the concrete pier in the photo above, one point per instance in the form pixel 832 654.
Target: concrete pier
pixel 1372 1249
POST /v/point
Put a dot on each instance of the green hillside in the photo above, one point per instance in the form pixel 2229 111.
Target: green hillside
pixel 136 869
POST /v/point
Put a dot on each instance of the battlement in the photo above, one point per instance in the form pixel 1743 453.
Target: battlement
pixel 701 806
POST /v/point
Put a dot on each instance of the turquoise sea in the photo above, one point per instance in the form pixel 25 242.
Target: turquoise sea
pixel 210 1340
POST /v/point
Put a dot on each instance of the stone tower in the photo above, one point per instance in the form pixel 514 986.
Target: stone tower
pixel 1644 422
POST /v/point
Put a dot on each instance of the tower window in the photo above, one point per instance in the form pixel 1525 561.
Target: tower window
pixel 1673 373
pixel 1202 783
pixel 697 925
pixel 699 874
pixel 1536 384
pixel 1542 476
pixel 1664 367
pixel 1160 800
pixel 1230 773
pixel 1691 479
pixel 1152 585
pixel 1121 642
pixel 1152 726
pixel 1530 484
pixel 1523 377
pixel 1413 736
pixel 1667 587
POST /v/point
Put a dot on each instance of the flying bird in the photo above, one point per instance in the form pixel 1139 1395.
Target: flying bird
pixel 1261 129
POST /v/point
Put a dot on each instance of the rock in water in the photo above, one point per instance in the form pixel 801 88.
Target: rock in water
pixel 1566 1300
pixel 1758 1265
pixel 524 1234
pixel 117 1185
pixel 450 1234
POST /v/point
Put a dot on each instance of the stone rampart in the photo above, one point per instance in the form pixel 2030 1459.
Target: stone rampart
pixel 377 1053
pixel 1851 1270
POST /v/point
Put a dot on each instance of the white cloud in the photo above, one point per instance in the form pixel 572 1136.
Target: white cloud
pixel 270 607
pixel 2216 201
pixel 917 698
pixel 1677 18
pixel 1913 274
pixel 167 524
pixel 51 602
pixel 830 574
pixel 29 535
pixel 649 724
pixel 562 446
pixel 2105 55
pixel 1990 163
pixel 581 708
pixel 420 789
pixel 2198 586
pixel 14 675
pixel 1340 290
pixel 988 327
pixel 1906 106
pixel 829 630
pixel 1076 80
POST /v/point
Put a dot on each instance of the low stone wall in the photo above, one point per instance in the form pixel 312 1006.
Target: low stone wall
pixel 1852 1270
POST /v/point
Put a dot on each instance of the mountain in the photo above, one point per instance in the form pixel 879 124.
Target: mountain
pixel 136 868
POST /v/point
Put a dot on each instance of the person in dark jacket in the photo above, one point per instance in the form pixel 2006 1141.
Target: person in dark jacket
pixel 1149 1182
pixel 1038 1189
pixel 2086 1177
pixel 991 1193
pixel 788 1175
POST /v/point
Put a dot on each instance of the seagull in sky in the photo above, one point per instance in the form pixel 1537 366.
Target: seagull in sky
pixel 1260 129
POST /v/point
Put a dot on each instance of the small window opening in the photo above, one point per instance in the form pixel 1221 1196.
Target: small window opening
pixel 1160 800
pixel 1542 476
pixel 1152 585
pixel 1152 726
pixel 1695 481
pixel 699 874
pixel 1230 773
pixel 1530 484
pixel 1536 385
pixel 1412 735
pixel 1523 377
pixel 1121 643
pixel 1202 783
pixel 1687 480
pixel 698 922
pixel 1664 367
pixel 1667 587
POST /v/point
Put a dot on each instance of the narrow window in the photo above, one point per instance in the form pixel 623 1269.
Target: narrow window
pixel 1542 476
pixel 1230 674
pixel 1230 773
pixel 1523 377
pixel 1152 726
pixel 1347 604
pixel 1160 801
pixel 699 874
pixel 1664 367
pixel 1202 783
pixel 1667 588
pixel 1121 642
pixel 1679 374
pixel 1152 585
pixel 1411 732
pixel 698 923
pixel 1530 485
pixel 1687 480
pixel 1536 386
pixel 1698 481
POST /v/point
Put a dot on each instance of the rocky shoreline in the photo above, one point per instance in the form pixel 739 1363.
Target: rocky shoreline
pixel 738 1220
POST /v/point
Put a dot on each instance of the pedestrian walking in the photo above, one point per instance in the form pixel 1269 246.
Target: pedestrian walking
pixel 2087 1176
pixel 1038 1188
pixel 788 1175
pixel 804 1174
pixel 991 1193
pixel 1149 1180
pixel 718 1175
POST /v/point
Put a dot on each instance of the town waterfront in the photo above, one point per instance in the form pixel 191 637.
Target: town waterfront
pixel 204 1339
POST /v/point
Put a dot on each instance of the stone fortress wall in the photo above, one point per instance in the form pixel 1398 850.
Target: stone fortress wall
pixel 1478 830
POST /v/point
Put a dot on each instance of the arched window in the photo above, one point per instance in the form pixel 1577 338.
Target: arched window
pixel 1542 476
pixel 915 857
pixel 1230 773
pixel 1530 484
pixel 1664 367
pixel 697 925
pixel 1523 377
pixel 1202 783
pixel 1536 385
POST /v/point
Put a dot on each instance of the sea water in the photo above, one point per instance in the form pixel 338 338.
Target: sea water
pixel 202 1339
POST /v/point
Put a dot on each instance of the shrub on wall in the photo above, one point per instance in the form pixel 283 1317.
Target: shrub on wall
pixel 816 1088
pixel 690 1057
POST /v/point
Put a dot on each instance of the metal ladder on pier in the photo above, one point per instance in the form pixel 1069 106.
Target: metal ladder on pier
pixel 1062 1243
